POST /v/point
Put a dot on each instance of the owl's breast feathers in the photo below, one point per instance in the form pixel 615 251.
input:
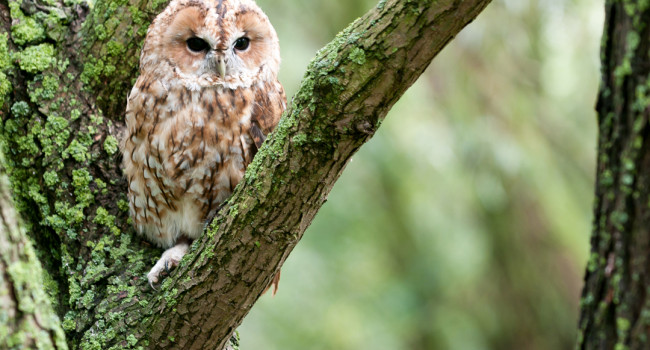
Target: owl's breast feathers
pixel 185 151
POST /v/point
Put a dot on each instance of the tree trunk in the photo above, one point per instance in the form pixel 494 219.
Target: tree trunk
pixel 27 317
pixel 615 312
pixel 65 69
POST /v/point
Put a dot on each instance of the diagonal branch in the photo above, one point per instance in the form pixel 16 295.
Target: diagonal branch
pixel 347 91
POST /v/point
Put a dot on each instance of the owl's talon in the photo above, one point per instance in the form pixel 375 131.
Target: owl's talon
pixel 169 259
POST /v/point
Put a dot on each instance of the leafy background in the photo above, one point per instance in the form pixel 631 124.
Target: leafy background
pixel 464 223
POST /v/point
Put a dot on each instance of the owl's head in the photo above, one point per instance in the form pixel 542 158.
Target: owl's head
pixel 212 42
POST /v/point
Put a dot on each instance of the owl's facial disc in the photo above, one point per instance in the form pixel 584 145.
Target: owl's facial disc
pixel 233 45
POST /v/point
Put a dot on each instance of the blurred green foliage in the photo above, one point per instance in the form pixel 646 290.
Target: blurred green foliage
pixel 464 223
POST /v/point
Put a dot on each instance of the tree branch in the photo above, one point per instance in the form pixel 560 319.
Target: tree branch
pixel 347 91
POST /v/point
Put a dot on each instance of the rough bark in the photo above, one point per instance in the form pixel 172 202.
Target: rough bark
pixel 27 317
pixel 65 70
pixel 615 304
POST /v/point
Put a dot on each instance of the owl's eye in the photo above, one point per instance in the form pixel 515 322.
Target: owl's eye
pixel 242 43
pixel 197 44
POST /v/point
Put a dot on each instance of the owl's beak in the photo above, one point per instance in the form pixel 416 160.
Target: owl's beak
pixel 221 66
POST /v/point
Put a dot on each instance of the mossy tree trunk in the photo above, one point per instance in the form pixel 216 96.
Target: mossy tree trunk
pixel 615 305
pixel 28 318
pixel 65 69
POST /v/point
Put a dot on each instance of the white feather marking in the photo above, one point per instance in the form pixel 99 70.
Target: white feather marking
pixel 139 202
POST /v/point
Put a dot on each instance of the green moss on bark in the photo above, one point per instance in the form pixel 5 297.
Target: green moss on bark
pixel 5 64
pixel 24 29
pixel 34 59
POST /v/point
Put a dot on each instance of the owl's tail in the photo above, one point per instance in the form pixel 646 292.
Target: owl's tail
pixel 274 283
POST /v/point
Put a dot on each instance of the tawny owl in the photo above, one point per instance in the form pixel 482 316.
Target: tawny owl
pixel 206 98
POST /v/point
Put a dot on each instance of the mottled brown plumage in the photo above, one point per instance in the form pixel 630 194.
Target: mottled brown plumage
pixel 206 97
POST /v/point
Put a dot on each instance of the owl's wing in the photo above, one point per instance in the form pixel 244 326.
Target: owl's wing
pixel 270 102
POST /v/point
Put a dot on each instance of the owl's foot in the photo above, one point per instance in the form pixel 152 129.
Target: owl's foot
pixel 169 259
